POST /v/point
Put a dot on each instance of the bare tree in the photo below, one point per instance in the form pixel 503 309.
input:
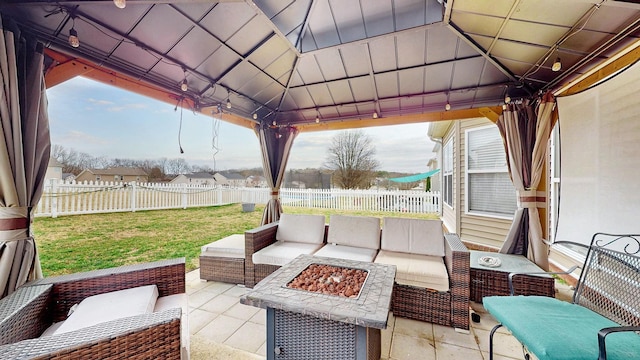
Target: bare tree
pixel 351 156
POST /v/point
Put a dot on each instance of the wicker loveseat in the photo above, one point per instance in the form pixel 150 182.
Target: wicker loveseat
pixel 448 305
pixel 26 313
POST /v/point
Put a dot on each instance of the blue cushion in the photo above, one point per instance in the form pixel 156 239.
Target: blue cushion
pixel 554 329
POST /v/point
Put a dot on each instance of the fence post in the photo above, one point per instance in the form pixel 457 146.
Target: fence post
pixel 134 193
pixel 184 196
pixel 54 198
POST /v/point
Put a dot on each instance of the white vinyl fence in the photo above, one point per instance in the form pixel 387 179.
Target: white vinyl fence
pixel 71 198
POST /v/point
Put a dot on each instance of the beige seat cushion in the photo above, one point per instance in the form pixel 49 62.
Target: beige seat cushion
pixel 347 252
pixel 110 306
pixel 423 271
pixel 413 236
pixel 231 246
pixel 282 252
pixel 356 231
pixel 301 228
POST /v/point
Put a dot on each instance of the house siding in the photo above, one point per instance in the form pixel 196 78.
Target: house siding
pixel 484 231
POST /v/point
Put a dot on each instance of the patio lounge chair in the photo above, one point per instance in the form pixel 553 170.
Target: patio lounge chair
pixel 603 320
pixel 28 312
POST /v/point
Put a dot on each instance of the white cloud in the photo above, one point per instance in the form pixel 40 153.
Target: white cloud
pixel 100 102
pixel 73 138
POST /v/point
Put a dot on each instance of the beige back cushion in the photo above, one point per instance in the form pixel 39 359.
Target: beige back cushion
pixel 414 236
pixel 301 228
pixel 358 231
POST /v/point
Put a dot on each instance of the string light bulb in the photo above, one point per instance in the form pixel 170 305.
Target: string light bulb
pixel 317 119
pixel 120 4
pixel 74 41
pixel 507 99
pixel 184 86
pixel 447 107
pixel 375 114
pixel 255 116
pixel 557 65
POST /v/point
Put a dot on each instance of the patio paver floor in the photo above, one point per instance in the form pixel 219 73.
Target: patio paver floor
pixel 222 328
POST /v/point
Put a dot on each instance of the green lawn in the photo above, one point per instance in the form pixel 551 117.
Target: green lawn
pixel 77 243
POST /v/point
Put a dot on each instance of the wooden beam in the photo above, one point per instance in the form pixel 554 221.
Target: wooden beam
pixel 603 73
pixel 490 113
pixel 66 71
pixel 399 120
pixel 70 67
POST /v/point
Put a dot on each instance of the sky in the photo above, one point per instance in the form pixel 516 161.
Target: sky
pixel 102 120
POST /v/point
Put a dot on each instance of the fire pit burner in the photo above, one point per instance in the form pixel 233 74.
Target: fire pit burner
pixel 330 280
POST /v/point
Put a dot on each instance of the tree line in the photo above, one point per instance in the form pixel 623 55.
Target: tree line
pixel 161 169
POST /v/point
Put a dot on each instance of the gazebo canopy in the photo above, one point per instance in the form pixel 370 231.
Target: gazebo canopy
pixel 323 64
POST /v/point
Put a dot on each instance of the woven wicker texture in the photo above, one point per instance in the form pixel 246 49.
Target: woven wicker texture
pixel 255 240
pixel 306 337
pixel 490 283
pixel 449 308
pixel 223 269
pixel 148 336
pixel 23 314
pixel 68 290
pixel 610 285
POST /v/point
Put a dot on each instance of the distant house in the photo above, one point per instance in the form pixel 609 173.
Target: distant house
pixel 198 178
pixel 229 179
pixel 256 181
pixel 124 174
pixel 68 177
pixel 54 170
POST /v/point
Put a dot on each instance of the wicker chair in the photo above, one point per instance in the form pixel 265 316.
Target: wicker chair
pixel 26 313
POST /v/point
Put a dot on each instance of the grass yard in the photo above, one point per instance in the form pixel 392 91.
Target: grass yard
pixel 78 243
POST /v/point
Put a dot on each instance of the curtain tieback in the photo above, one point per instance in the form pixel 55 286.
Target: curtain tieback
pixel 531 199
pixel 275 193
pixel 14 223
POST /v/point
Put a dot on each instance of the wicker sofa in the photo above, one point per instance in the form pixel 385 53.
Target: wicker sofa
pixel 448 305
pixel 28 312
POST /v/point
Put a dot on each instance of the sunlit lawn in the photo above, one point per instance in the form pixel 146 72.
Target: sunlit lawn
pixel 86 242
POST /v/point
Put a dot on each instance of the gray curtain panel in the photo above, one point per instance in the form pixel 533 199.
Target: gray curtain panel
pixel 525 129
pixel 275 143
pixel 24 153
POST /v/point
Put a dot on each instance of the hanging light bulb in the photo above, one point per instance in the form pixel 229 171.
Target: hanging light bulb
pixel 557 65
pixel 228 103
pixel 317 119
pixel 447 106
pixel 255 116
pixel 184 86
pixel 274 123
pixel 120 4
pixel 507 99
pixel 375 114
pixel 74 41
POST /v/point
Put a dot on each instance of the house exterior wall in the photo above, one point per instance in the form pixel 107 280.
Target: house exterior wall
pixel 483 231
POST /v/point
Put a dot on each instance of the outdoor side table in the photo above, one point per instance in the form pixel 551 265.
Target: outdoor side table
pixel 491 281
pixel 308 325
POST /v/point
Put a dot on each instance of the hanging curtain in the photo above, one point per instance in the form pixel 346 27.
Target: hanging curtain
pixel 525 130
pixel 275 143
pixel 24 154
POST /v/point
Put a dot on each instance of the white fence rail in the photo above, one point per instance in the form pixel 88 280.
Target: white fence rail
pixel 71 198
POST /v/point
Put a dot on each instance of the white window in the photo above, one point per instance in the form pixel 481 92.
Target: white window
pixel 447 173
pixel 489 188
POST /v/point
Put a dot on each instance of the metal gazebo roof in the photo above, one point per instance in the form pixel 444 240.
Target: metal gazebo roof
pixel 330 64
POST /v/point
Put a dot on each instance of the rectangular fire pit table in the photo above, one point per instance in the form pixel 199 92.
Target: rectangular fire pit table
pixel 309 325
